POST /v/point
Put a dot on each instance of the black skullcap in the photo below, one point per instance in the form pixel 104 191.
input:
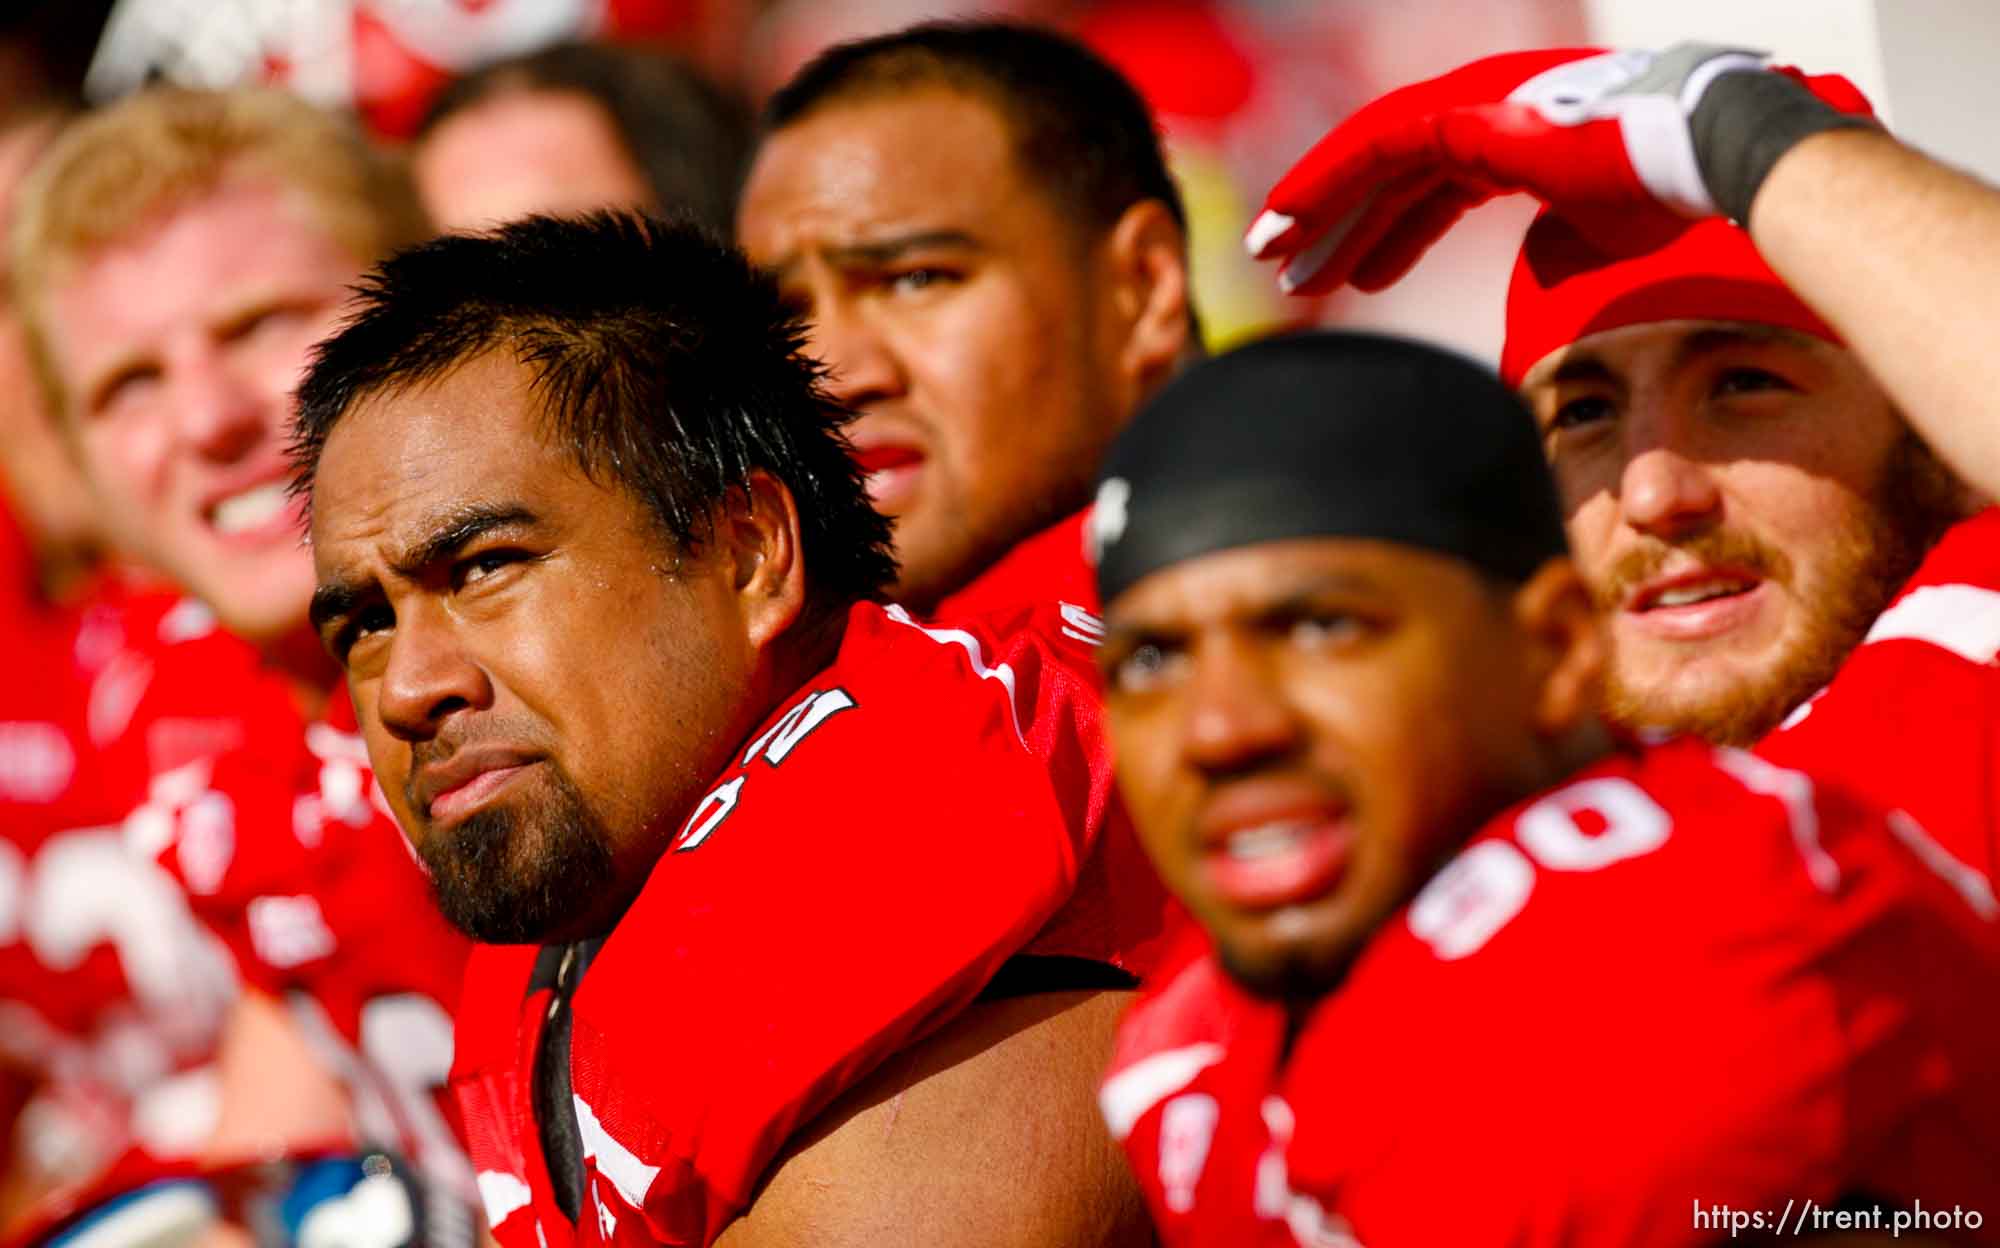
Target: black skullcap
pixel 1328 434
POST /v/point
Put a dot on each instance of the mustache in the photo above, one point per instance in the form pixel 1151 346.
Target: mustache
pixel 440 748
pixel 1717 548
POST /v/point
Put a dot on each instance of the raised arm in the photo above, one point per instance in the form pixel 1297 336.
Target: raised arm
pixel 1897 251
pixel 1901 254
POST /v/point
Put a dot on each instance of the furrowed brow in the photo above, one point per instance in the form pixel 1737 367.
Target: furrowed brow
pixel 335 600
pixel 457 528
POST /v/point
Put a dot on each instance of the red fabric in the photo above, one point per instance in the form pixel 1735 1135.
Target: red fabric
pixel 220 838
pixel 107 981
pixel 495 1037
pixel 1158 47
pixel 1387 182
pixel 1565 286
pixel 907 822
pixel 1049 566
pixel 1686 978
pixel 47 776
pixel 1117 914
pixel 1912 720
pixel 1589 273
pixel 1193 1059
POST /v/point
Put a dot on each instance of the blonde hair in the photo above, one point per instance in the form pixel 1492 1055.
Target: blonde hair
pixel 114 171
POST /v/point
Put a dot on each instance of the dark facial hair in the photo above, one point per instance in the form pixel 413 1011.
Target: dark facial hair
pixel 516 872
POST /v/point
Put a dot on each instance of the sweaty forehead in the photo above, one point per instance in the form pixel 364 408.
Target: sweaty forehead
pixel 931 157
pixel 471 436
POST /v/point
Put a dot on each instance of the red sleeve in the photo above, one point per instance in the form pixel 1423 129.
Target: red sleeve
pixel 1696 981
pixel 1118 914
pixel 877 851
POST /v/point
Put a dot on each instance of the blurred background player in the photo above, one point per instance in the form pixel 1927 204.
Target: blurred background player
pixel 175 256
pixel 1238 86
pixel 1341 636
pixel 980 231
pixel 596 445
pixel 1755 464
pixel 978 224
pixel 50 547
pixel 581 126
pixel 44 493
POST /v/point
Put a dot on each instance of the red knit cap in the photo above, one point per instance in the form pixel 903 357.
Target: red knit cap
pixel 1570 282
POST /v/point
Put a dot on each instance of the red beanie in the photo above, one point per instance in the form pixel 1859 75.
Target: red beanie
pixel 1569 282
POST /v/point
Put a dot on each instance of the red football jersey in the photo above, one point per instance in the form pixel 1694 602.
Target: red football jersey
pixel 1685 985
pixel 50 773
pixel 875 852
pixel 1052 564
pixel 1194 1058
pixel 110 989
pixel 237 842
pixel 1912 720
pixel 324 906
pixel 1117 914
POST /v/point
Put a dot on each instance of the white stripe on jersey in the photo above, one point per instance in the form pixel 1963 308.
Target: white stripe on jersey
pixel 1127 1095
pixel 1795 790
pixel 1970 884
pixel 632 1177
pixel 959 637
pixel 1963 619
pixel 501 1193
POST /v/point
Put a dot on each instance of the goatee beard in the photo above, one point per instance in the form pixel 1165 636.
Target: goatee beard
pixel 519 872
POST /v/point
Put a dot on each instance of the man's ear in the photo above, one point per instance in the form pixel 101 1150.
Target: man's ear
pixel 759 534
pixel 1147 270
pixel 1559 620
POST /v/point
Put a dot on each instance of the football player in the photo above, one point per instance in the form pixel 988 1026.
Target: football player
pixel 978 223
pixel 732 833
pixel 1450 988
pixel 1745 321
pixel 175 256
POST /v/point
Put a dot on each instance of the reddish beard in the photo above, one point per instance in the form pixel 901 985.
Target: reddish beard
pixel 1870 555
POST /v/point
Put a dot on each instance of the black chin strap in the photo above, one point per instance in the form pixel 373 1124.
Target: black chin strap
pixel 559 968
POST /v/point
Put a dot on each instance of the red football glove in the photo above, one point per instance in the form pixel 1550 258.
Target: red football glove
pixel 1582 129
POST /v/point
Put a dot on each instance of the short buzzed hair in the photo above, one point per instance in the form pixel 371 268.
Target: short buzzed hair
pixel 1080 129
